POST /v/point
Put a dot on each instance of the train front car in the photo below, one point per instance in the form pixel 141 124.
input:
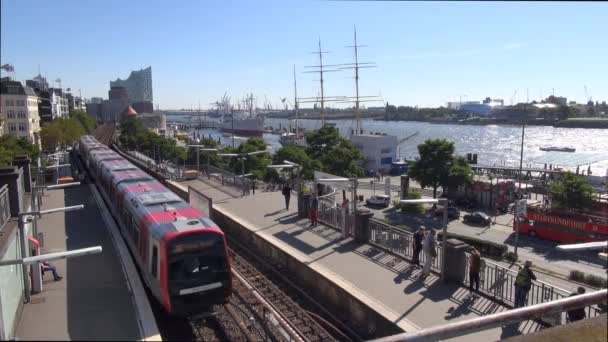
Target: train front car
pixel 194 266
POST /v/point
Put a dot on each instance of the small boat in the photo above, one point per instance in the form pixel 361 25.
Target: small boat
pixel 558 149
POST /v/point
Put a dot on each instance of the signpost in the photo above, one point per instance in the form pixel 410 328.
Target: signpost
pixel 521 210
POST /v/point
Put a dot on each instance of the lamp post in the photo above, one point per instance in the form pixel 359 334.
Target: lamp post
pixel 242 157
pixel 521 160
pixel 444 233
pixel 198 150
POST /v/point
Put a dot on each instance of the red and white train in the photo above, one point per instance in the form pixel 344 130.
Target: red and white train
pixel 180 252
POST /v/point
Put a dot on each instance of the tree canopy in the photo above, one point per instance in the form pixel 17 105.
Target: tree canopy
pixel 571 191
pixel 134 136
pixel 336 154
pixel 438 166
pixel 11 146
pixel 297 154
pixel 61 133
pixel 87 122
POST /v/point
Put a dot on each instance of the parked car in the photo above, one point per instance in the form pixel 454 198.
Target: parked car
pixel 378 200
pixel 477 218
pixel 453 212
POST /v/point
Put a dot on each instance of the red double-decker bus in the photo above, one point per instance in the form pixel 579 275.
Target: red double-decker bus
pixel 569 226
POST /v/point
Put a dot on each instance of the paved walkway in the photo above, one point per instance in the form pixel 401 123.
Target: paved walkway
pixel 386 281
pixel 94 300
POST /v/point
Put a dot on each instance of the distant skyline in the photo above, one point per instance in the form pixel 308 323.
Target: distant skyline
pixel 428 53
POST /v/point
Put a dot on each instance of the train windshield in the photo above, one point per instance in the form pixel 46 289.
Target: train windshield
pixel 197 257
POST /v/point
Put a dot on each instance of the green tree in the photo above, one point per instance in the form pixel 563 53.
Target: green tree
pixel 571 191
pixel 336 154
pixel 256 164
pixel 88 124
pixel 297 154
pixel 11 146
pixel 61 133
pixel 433 167
pixel 459 172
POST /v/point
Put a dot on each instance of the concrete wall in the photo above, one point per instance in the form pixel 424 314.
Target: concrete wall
pixel 361 318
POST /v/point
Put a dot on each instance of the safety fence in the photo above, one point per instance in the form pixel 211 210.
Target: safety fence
pixel 399 242
pixel 200 201
pixel 164 169
pixel 335 216
pixel 227 178
pixel 5 209
pixel 495 281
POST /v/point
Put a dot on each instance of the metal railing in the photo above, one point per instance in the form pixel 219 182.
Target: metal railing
pixel 5 208
pixel 164 169
pixel 227 178
pixel 499 282
pixel 505 318
pixel 336 217
pixel 495 280
pixel 399 242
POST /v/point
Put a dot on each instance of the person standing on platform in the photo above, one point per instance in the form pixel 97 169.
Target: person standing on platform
pixel 417 244
pixel 428 247
pixel 474 268
pixel 314 210
pixel 523 283
pixel 287 195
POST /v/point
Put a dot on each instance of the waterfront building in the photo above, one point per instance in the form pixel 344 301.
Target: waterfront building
pixel 138 85
pixel 21 107
pixel 155 121
pixel 379 150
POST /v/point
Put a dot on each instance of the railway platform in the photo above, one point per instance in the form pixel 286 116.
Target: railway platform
pixel 100 296
pixel 387 285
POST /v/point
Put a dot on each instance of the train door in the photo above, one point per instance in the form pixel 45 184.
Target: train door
pixel 153 266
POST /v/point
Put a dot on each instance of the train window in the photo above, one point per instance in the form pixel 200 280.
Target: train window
pixel 154 260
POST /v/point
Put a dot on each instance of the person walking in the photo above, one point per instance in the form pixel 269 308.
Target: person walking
pixel 474 268
pixel 417 244
pixel 314 210
pixel 523 283
pixel 577 314
pixel 287 195
pixel 428 247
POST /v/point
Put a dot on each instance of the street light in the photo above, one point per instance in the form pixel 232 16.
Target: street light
pixel 198 149
pixel 445 225
pixel 243 156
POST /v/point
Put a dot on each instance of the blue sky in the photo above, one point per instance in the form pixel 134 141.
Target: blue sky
pixel 428 53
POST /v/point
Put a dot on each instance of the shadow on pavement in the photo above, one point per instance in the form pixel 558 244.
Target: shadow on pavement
pixel 98 301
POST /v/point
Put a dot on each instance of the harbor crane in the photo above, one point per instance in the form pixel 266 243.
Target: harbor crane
pixel 587 97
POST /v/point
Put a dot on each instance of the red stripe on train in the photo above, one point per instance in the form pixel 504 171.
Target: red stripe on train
pixel 171 215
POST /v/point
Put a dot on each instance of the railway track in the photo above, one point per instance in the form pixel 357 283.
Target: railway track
pixel 104 133
pixel 304 319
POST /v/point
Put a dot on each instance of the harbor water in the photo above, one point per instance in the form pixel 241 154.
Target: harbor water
pixel 494 144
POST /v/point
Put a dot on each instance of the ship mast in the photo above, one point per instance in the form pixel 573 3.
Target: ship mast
pixel 356 65
pixel 321 70
pixel 295 99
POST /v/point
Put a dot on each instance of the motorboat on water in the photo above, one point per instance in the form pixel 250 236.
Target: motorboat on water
pixel 558 149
